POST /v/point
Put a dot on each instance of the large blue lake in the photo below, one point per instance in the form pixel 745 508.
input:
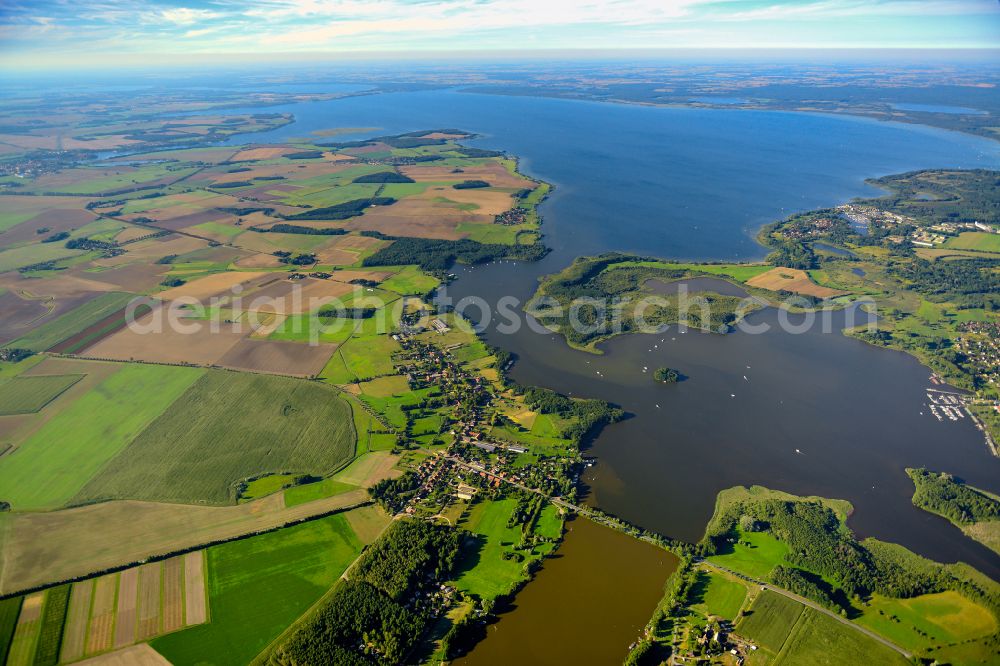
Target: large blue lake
pixel 698 184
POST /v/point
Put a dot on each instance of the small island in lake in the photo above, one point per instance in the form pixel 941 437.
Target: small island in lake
pixel 667 376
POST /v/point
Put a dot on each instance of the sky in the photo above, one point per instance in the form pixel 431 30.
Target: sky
pixel 78 33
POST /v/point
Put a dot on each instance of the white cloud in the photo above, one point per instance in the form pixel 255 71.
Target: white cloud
pixel 187 15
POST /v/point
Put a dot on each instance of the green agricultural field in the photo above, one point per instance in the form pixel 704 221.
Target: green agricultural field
pixel 482 569
pixel 491 233
pixel 410 281
pixel 336 371
pixel 755 554
pixel 739 272
pixel 309 328
pixel 331 194
pixel 229 427
pixel 975 240
pixel 715 594
pixel 291 242
pixel 257 587
pixel 25 255
pixel 391 407
pixel 53 619
pixel 770 620
pixel 9 610
pixel 97 183
pixel 928 620
pixel 821 640
pixel 386 387
pixel 369 357
pixel 51 467
pixel 265 486
pixel 11 220
pixel 27 395
pixel 313 491
pixel 53 332
pixel 217 229
pixel 9 370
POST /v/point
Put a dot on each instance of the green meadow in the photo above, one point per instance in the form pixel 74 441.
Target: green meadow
pixel 821 640
pixel 257 587
pixel 771 618
pixel 50 467
pixel 716 594
pixel 483 571
pixel 755 554
pixel 229 427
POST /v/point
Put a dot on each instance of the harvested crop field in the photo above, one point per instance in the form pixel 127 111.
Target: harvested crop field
pixel 278 357
pixel 195 344
pixel 266 153
pixel 135 655
pixel 369 469
pixel 195 608
pixel 57 545
pixel 296 296
pixel 487 202
pixel 793 280
pixel 211 285
pixel 102 614
pixel 75 632
pixel 336 256
pixel 368 522
pixel 259 260
pixel 125 613
pixel 228 427
pixel 414 217
pixel 149 601
pixel 493 173
pixel 173 594
pixel 27 395
pixel 349 249
pixel 99 330
pixel 116 610
pixel 19 313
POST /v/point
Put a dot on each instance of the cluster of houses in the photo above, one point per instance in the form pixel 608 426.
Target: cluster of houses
pixel 981 345
pixel 713 643
pixel 39 163
pixel 514 216
pixel 871 216
pixel 937 234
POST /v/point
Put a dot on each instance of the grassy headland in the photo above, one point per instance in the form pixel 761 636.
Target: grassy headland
pixel 975 512
pixel 802 545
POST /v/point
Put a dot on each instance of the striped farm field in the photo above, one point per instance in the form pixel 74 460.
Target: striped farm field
pixel 94 617
pixel 53 621
pixel 149 601
pixel 27 395
pixel 29 624
pixel 173 594
pixel 75 633
pixel 258 586
pixel 55 462
pixel 226 428
pixel 125 613
pixel 195 608
pixel 51 333
pixel 102 614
